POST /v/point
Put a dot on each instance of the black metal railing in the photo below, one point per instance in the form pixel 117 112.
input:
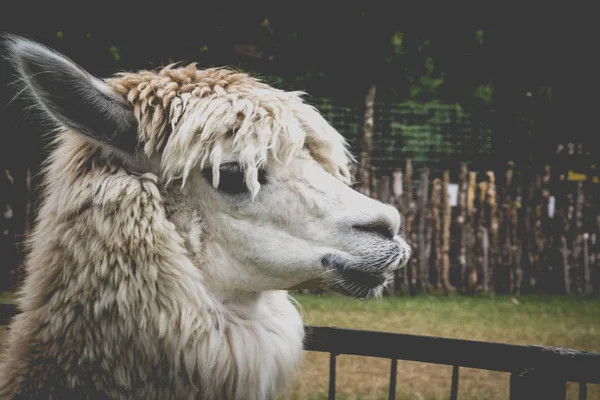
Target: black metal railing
pixel 537 372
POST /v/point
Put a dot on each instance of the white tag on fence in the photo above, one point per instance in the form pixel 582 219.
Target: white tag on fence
pixel 453 194
pixel 551 207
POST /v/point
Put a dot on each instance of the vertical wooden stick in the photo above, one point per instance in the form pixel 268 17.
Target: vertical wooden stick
pixel 587 281
pixel 436 196
pixel 578 245
pixel 399 203
pixel 384 196
pixel 567 270
pixel 397 189
pixel 373 184
pixel 492 227
pixel 384 190
pixel 364 170
pixel 471 282
pixel 484 237
pixel 461 221
pixel 410 269
pixel 446 235
pixel 423 216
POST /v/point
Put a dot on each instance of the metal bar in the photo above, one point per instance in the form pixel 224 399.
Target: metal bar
pixel 582 391
pixel 393 373
pixel 536 384
pixel 332 357
pixel 454 389
pixel 562 364
pixel 514 389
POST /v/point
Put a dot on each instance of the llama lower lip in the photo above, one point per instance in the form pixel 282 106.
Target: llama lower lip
pixel 362 285
pixel 362 278
pixel 352 280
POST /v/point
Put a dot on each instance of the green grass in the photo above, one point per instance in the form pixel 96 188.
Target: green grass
pixel 7 297
pixel 572 322
pixel 546 320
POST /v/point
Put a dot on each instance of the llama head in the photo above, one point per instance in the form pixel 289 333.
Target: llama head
pixel 263 175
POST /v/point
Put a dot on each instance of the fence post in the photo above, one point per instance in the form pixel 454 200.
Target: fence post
pixel 399 202
pixel 493 225
pixel 473 235
pixel 535 384
pixel 454 387
pixel 436 222
pixel 385 197
pixel 424 249
pixel 461 220
pixel 364 171
pixel 483 236
pixel 393 374
pixel 409 270
pixel 332 357
pixel 374 184
pixel 447 214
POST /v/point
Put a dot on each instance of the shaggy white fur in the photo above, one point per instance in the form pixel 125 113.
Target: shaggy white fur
pixel 137 288
pixel 206 108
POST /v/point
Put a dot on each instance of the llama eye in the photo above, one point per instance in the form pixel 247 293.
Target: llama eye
pixel 231 180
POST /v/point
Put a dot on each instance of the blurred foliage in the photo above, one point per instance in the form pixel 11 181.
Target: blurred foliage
pixel 479 36
pixel 487 69
pixel 485 92
pixel 325 58
pixel 114 50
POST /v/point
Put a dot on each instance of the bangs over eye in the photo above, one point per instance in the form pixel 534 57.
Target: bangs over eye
pixel 231 179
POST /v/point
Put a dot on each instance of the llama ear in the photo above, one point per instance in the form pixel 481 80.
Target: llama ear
pixel 71 97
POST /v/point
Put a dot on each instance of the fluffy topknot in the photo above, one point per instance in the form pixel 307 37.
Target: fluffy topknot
pixel 187 115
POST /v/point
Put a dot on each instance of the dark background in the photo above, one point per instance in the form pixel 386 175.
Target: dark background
pixel 485 60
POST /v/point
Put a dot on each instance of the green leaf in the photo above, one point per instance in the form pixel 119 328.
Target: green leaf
pixel 485 92
pixel 479 36
pixel 398 44
pixel 546 91
pixel 114 50
pixel 415 91
pixel 429 65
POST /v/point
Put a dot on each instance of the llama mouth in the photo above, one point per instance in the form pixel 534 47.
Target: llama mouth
pixel 358 281
pixel 360 285
pixel 357 284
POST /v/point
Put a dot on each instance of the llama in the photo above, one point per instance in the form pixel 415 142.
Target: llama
pixel 180 207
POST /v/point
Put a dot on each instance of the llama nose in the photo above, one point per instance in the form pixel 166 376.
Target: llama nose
pixel 382 226
pixel 374 217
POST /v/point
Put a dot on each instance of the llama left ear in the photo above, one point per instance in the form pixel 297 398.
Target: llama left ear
pixel 73 98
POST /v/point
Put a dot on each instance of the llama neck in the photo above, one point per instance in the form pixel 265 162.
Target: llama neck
pixel 115 275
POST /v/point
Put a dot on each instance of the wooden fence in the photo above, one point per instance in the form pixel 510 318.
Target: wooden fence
pixel 520 232
pixel 471 231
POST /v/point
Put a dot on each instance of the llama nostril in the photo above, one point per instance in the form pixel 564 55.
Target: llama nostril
pixel 380 227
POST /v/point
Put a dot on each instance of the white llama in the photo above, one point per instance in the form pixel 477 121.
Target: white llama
pixel 179 207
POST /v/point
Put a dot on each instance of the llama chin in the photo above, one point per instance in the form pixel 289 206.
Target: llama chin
pixel 179 205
